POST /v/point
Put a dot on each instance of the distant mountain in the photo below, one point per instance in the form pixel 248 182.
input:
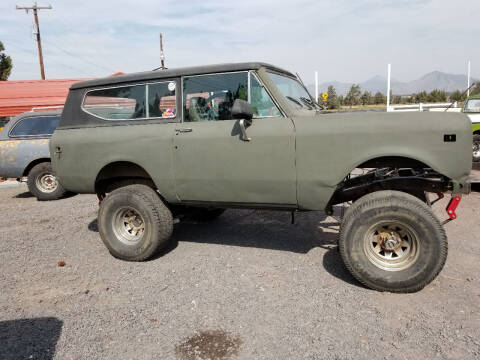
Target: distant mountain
pixel 428 82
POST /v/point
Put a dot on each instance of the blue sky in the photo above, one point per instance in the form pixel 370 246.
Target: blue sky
pixel 344 40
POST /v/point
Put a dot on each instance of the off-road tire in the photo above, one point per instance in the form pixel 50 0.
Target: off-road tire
pixel 206 215
pixel 476 148
pixel 424 230
pixel 36 185
pixel 145 203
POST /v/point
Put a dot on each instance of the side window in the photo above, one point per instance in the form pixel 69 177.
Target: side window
pixel 35 126
pixel 121 103
pixel 211 97
pixel 161 100
pixel 260 100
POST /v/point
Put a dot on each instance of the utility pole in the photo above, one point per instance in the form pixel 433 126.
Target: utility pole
pixel 468 78
pixel 389 71
pixel 162 56
pixel 35 9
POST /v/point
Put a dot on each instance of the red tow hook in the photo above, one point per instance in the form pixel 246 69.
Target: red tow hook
pixel 451 207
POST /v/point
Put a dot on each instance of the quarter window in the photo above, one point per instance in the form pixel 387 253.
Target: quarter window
pixel 161 100
pixel 35 126
pixel 211 97
pixel 261 102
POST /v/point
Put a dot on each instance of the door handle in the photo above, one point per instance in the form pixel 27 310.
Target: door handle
pixel 184 130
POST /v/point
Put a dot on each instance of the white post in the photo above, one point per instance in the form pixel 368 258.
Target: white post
pixel 468 78
pixel 316 85
pixel 389 70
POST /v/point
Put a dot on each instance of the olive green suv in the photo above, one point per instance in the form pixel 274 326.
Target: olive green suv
pixel 160 146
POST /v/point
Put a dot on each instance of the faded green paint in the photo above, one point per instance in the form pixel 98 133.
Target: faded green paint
pixel 294 161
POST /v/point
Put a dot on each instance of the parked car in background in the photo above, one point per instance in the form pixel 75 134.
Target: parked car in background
pixel 24 152
pixel 471 107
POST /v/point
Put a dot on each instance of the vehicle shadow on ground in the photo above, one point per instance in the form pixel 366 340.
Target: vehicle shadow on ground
pixel 24 195
pixel 34 338
pixel 265 230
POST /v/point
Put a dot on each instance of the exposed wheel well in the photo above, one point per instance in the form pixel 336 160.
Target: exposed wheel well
pixel 121 173
pixel 393 162
pixel 477 132
pixel 33 163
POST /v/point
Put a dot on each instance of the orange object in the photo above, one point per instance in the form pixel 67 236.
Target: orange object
pixel 19 96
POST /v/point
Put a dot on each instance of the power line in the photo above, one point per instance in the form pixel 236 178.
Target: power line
pixel 35 9
pixel 79 57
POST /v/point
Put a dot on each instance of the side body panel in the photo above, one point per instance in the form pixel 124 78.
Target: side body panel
pixel 213 163
pixel 330 146
pixel 85 151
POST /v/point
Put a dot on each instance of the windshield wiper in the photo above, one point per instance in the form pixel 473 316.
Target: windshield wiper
pixel 294 100
pixel 308 102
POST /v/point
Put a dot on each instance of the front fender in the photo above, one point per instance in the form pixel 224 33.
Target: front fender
pixel 330 146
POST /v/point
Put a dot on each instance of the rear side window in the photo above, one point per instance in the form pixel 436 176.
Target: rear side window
pixel 122 103
pixel 35 126
pixel 155 100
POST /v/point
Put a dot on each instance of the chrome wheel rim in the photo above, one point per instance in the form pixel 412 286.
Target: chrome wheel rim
pixel 47 183
pixel 391 245
pixel 128 225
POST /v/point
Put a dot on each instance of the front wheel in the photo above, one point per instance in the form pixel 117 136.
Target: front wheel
pixel 43 184
pixel 476 148
pixel 392 241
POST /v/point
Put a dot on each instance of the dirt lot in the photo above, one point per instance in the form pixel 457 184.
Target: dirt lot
pixel 248 286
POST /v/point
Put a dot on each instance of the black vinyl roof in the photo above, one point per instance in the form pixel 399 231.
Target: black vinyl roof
pixel 169 73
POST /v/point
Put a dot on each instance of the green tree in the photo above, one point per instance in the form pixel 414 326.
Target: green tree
pixel 332 100
pixel 421 97
pixel 341 100
pixel 366 98
pixel 379 98
pixel 457 96
pixel 353 96
pixel 5 64
pixel 437 96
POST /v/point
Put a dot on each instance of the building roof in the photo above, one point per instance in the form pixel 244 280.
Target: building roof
pixel 20 96
pixel 170 73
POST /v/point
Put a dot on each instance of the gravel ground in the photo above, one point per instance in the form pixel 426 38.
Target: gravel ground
pixel 248 286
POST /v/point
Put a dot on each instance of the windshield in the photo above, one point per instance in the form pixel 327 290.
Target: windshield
pixel 472 105
pixel 293 91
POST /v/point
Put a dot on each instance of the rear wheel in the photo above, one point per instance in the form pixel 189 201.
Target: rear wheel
pixel 392 241
pixel 476 148
pixel 42 183
pixel 134 223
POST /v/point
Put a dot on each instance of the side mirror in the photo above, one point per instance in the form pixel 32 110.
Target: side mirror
pixel 243 110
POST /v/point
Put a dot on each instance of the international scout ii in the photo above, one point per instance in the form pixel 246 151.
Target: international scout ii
pixel 24 152
pixel 159 145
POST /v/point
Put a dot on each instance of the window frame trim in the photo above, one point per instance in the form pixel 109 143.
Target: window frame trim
pixel 146 101
pixel 31 136
pixel 282 114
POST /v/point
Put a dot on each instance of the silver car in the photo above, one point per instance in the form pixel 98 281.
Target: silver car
pixel 24 152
